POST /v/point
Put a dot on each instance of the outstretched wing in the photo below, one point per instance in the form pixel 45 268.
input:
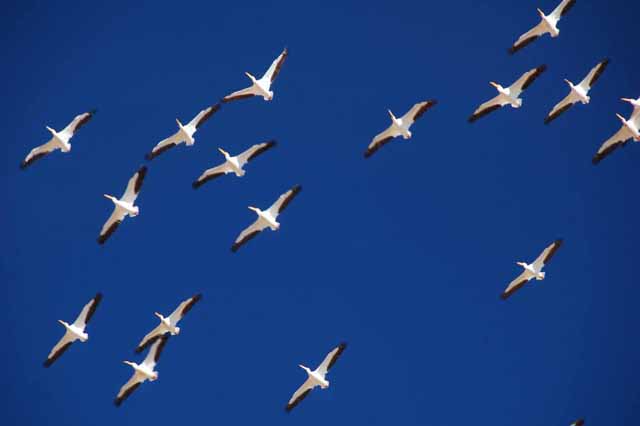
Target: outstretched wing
pixel 300 394
pixel 249 92
pixel 528 38
pixel 417 110
pixel 128 388
pixel 275 67
pixel 526 80
pixel 87 312
pixel 165 145
pixel 212 173
pixel 151 337
pixel 254 151
pixel 488 107
pixel 547 254
pixel 77 122
pixel 184 308
pixel 331 359
pixel 380 140
pixel 283 201
pixel 561 107
pixel 39 152
pixel 249 233
pixel 587 83
pixel 134 185
pixel 516 285
pixel 619 139
pixel 153 356
pixel 203 116
pixel 111 224
pixel 563 8
pixel 63 344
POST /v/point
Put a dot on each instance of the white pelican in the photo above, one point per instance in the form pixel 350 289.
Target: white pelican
pixel 579 93
pixel 630 130
pixel 533 270
pixel 266 218
pixel 59 140
pixel 548 24
pixel 509 95
pixel 170 323
pixel 316 377
pixel 636 107
pixel 142 372
pixel 261 87
pixel 233 164
pixel 74 331
pixel 124 206
pixel 399 126
pixel 184 133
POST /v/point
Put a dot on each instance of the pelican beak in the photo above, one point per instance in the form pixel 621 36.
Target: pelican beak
pixel 540 12
pixel 568 82
pixel 107 196
pixel 301 366
pixel 61 322
pixel 626 100
pixel 222 151
pixel 250 76
pixel 252 208
pixel 179 123
pixel 158 315
pixel 49 129
pixel 621 118
pixel 494 84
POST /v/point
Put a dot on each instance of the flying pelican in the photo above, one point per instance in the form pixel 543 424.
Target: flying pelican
pixel 533 270
pixel 60 140
pixel 124 206
pixel 261 87
pixel 636 107
pixel 316 377
pixel 142 372
pixel 266 218
pixel 74 331
pixel 184 133
pixel 630 130
pixel 548 24
pixel 233 164
pixel 579 93
pixel 170 323
pixel 509 95
pixel 399 126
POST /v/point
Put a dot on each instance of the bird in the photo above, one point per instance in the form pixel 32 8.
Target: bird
pixel 59 140
pixel 316 377
pixel 509 95
pixel 579 93
pixel 170 323
pixel 124 206
pixel 636 107
pixel 532 270
pixel 75 331
pixel 579 422
pixel 233 164
pixel 399 126
pixel 184 133
pixel 548 24
pixel 266 218
pixel 142 372
pixel 262 86
pixel 630 130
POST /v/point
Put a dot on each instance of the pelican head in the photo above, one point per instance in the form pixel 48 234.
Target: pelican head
pixel 53 132
pixel 541 13
pixel 304 368
pixel 179 123
pixel 159 316
pixel 621 118
pixel 109 197
pixel 524 265
pixel 252 78
pixel 496 85
pixel 255 209
pixel 393 117
pixel 63 323
pixel 129 363
pixel 631 101
pixel 223 152
pixel 568 82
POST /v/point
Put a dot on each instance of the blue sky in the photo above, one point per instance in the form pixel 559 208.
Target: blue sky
pixel 403 256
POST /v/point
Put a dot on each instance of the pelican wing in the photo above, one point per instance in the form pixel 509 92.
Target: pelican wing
pixel 587 83
pixel 134 185
pixel 254 151
pixel 275 67
pixel 488 107
pixel 63 344
pixel 515 285
pixel 112 224
pixel 184 308
pixel 526 80
pixel 241 94
pixel 283 201
pixel 39 152
pixel 249 233
pixel 563 8
pixel 619 139
pixel 77 122
pixel 380 140
pixel 579 422
pixel 211 174
pixel 561 107
pixel 128 388
pixel 417 110
pixel 165 145
pixel 203 116
pixel 87 312
pixel 635 115
pixel 151 337
pixel 154 353
pixel 300 394
pixel 547 254
pixel 528 38
pixel 331 359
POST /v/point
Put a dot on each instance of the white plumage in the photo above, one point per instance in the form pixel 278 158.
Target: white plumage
pixel 578 93
pixel 75 331
pixel 532 270
pixel 184 133
pixel 233 164
pixel 59 140
pixel 316 377
pixel 630 130
pixel 124 206
pixel 262 86
pixel 399 126
pixel 548 25
pixel 509 95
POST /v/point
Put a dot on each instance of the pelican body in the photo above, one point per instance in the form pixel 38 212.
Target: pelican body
pixel 508 95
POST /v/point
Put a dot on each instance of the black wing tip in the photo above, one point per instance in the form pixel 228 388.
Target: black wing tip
pixel 558 242
pixel 196 184
pixel 196 297
pixel 235 247
pixel 23 165
pixel 139 349
pixel 296 189
pixel 48 363
pixel 98 297
pixel 472 119
pixel 504 296
pixel 142 171
pixel 149 156
pixel 579 422
pixel 117 402
pixel 596 159
pixel 368 153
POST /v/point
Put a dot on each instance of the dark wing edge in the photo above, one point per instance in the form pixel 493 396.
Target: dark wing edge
pixel 230 98
pixel 557 114
pixel 213 110
pixel 284 54
pixel 236 246
pixel 153 154
pixel 601 155
pixel 475 117
pixel 294 191
pixel 85 120
pixel 538 71
pixel 92 310
pixel 372 150
pixel 126 394
pixel 104 237
pixel 163 342
pixel 297 400
pixel 568 7
pixel 195 299
pixel 506 294
pixel 57 355
pixel 601 67
pixel 556 245
pixel 519 46
pixel 269 144
pixel 142 172
pixel 341 349
pixel 148 343
pixel 430 103
pixel 198 183
pixel 25 164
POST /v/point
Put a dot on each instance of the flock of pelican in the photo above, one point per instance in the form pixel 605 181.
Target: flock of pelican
pixel 156 340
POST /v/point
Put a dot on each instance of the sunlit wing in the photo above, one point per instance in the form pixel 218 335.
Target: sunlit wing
pixel 87 312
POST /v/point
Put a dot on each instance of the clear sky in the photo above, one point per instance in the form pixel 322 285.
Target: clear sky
pixel 403 256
